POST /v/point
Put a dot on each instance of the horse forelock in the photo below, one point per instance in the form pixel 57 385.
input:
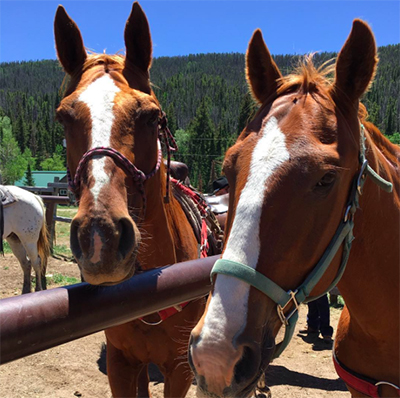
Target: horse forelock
pixel 106 63
pixel 307 78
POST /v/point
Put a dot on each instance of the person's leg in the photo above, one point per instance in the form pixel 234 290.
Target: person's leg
pixel 322 305
pixel 313 321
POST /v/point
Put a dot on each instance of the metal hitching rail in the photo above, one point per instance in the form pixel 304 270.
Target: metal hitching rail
pixel 37 321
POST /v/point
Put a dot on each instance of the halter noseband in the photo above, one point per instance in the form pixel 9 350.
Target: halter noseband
pixel 138 176
pixel 344 234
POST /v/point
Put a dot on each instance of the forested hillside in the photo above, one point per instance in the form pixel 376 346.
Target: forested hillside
pixel 205 98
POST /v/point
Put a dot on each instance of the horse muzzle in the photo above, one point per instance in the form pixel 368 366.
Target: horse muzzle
pixel 229 371
pixel 105 247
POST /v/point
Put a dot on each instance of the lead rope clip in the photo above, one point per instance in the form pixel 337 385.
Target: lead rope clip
pixel 262 390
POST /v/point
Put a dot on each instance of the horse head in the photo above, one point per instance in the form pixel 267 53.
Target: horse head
pixel 111 120
pixel 290 173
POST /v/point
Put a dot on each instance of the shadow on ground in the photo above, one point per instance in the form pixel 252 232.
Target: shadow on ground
pixel 154 373
pixel 317 343
pixel 275 376
pixel 279 375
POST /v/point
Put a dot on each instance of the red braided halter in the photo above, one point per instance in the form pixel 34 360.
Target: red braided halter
pixel 138 176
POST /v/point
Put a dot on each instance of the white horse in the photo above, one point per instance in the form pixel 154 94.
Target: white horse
pixel 26 232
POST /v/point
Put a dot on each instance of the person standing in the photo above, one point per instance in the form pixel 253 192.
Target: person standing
pixel 318 319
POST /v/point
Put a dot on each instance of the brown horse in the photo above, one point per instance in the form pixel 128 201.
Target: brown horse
pixel 293 174
pixel 121 189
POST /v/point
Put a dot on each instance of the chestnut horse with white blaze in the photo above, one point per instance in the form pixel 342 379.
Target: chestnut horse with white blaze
pixel 113 123
pixel 302 174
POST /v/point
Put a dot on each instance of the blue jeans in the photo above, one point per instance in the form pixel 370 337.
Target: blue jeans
pixel 318 316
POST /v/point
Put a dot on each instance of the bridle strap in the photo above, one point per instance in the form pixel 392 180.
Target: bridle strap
pixel 120 159
pixel 283 298
pixel 343 235
pixel 171 146
pixel 375 177
pixel 139 177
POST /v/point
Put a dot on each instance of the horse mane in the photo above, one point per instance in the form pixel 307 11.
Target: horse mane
pixel 111 63
pixel 116 61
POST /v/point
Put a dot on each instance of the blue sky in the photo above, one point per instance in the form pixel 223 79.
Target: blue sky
pixel 190 27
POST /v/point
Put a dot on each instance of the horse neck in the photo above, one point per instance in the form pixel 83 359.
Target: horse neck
pixel 373 269
pixel 367 338
pixel 158 244
pixel 384 157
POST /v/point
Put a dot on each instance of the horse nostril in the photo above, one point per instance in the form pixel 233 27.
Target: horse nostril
pixel 127 236
pixel 248 365
pixel 190 359
pixel 75 245
pixel 192 344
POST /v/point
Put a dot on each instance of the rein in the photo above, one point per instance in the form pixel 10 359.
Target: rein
pixel 1 225
pixel 343 235
pixel 139 177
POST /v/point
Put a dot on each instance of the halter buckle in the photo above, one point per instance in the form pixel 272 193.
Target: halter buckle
pixel 281 310
pixel 386 383
pixel 362 176
pixel 262 390
pixel 348 213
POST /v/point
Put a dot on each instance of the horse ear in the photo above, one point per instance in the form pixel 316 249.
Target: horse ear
pixel 261 71
pixel 137 39
pixel 69 44
pixel 356 64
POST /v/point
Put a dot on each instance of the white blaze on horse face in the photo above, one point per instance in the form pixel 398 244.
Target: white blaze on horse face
pixel 99 97
pixel 227 311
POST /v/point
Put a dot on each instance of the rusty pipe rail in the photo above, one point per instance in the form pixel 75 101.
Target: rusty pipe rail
pixel 60 200
pixel 37 321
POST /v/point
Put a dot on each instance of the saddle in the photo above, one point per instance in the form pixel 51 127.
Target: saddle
pixel 206 228
pixel 179 171
pixel 218 204
pixel 6 197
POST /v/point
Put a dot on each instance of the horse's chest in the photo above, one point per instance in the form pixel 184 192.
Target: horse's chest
pixel 141 342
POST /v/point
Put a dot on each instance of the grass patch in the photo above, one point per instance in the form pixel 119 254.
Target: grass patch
pixel 340 303
pixel 7 248
pixel 62 250
pixel 62 230
pixel 60 279
pixel 66 212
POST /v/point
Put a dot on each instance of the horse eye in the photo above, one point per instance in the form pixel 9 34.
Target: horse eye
pixel 153 120
pixel 327 180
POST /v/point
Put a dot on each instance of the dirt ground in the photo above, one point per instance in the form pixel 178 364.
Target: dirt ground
pixel 77 369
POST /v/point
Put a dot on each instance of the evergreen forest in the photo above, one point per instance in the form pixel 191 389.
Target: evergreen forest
pixel 205 97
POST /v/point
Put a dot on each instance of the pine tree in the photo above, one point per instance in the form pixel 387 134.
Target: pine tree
pixel 20 131
pixel 213 174
pixel 12 163
pixel 247 111
pixel 29 180
pixel 171 117
pixel 202 145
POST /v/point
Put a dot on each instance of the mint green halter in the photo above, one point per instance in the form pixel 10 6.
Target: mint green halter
pixel 344 235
